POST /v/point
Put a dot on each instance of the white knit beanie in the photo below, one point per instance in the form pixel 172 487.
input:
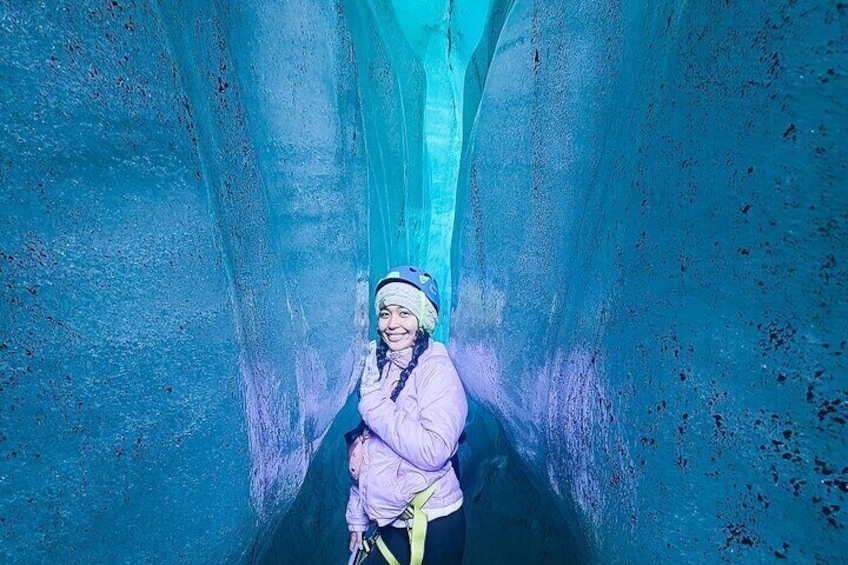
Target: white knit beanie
pixel 414 300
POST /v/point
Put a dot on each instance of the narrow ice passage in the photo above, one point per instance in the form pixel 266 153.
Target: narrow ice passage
pixel 639 212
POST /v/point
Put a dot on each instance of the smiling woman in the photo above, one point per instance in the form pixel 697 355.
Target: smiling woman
pixel 413 409
pixel 405 296
pixel 398 327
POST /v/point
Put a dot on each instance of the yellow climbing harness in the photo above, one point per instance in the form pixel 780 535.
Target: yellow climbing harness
pixel 417 533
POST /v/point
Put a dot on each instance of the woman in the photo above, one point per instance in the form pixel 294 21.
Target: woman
pixel 413 411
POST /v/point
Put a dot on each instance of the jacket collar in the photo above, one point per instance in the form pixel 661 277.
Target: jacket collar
pixel 400 358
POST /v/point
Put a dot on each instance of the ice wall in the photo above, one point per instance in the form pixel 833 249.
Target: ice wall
pixel 184 264
pixel 652 272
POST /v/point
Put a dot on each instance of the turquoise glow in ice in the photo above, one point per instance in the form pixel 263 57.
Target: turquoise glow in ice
pixel 428 46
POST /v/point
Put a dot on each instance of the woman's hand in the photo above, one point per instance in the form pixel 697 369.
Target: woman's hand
pixel 355 541
pixel 370 374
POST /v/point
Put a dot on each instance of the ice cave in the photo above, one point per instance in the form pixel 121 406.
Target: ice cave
pixel 637 211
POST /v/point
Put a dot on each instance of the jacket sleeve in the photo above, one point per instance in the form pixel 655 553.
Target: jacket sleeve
pixel 428 440
pixel 357 520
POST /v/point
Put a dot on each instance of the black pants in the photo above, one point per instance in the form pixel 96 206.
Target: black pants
pixel 445 542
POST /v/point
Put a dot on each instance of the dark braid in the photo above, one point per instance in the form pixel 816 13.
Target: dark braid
pixel 422 342
pixel 382 354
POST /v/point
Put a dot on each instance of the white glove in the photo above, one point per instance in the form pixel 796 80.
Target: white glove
pixel 370 373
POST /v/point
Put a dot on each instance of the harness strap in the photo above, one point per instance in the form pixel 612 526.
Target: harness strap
pixel 419 525
pixel 418 532
pixel 387 554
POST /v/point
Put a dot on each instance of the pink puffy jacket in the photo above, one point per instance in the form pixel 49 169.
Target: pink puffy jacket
pixel 411 441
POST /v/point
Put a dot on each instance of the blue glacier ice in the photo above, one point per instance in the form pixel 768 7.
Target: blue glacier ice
pixel 651 287
pixel 638 213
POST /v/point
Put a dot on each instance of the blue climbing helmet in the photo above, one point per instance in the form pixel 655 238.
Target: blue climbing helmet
pixel 422 280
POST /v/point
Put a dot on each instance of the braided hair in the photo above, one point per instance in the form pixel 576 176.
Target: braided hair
pixel 422 342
